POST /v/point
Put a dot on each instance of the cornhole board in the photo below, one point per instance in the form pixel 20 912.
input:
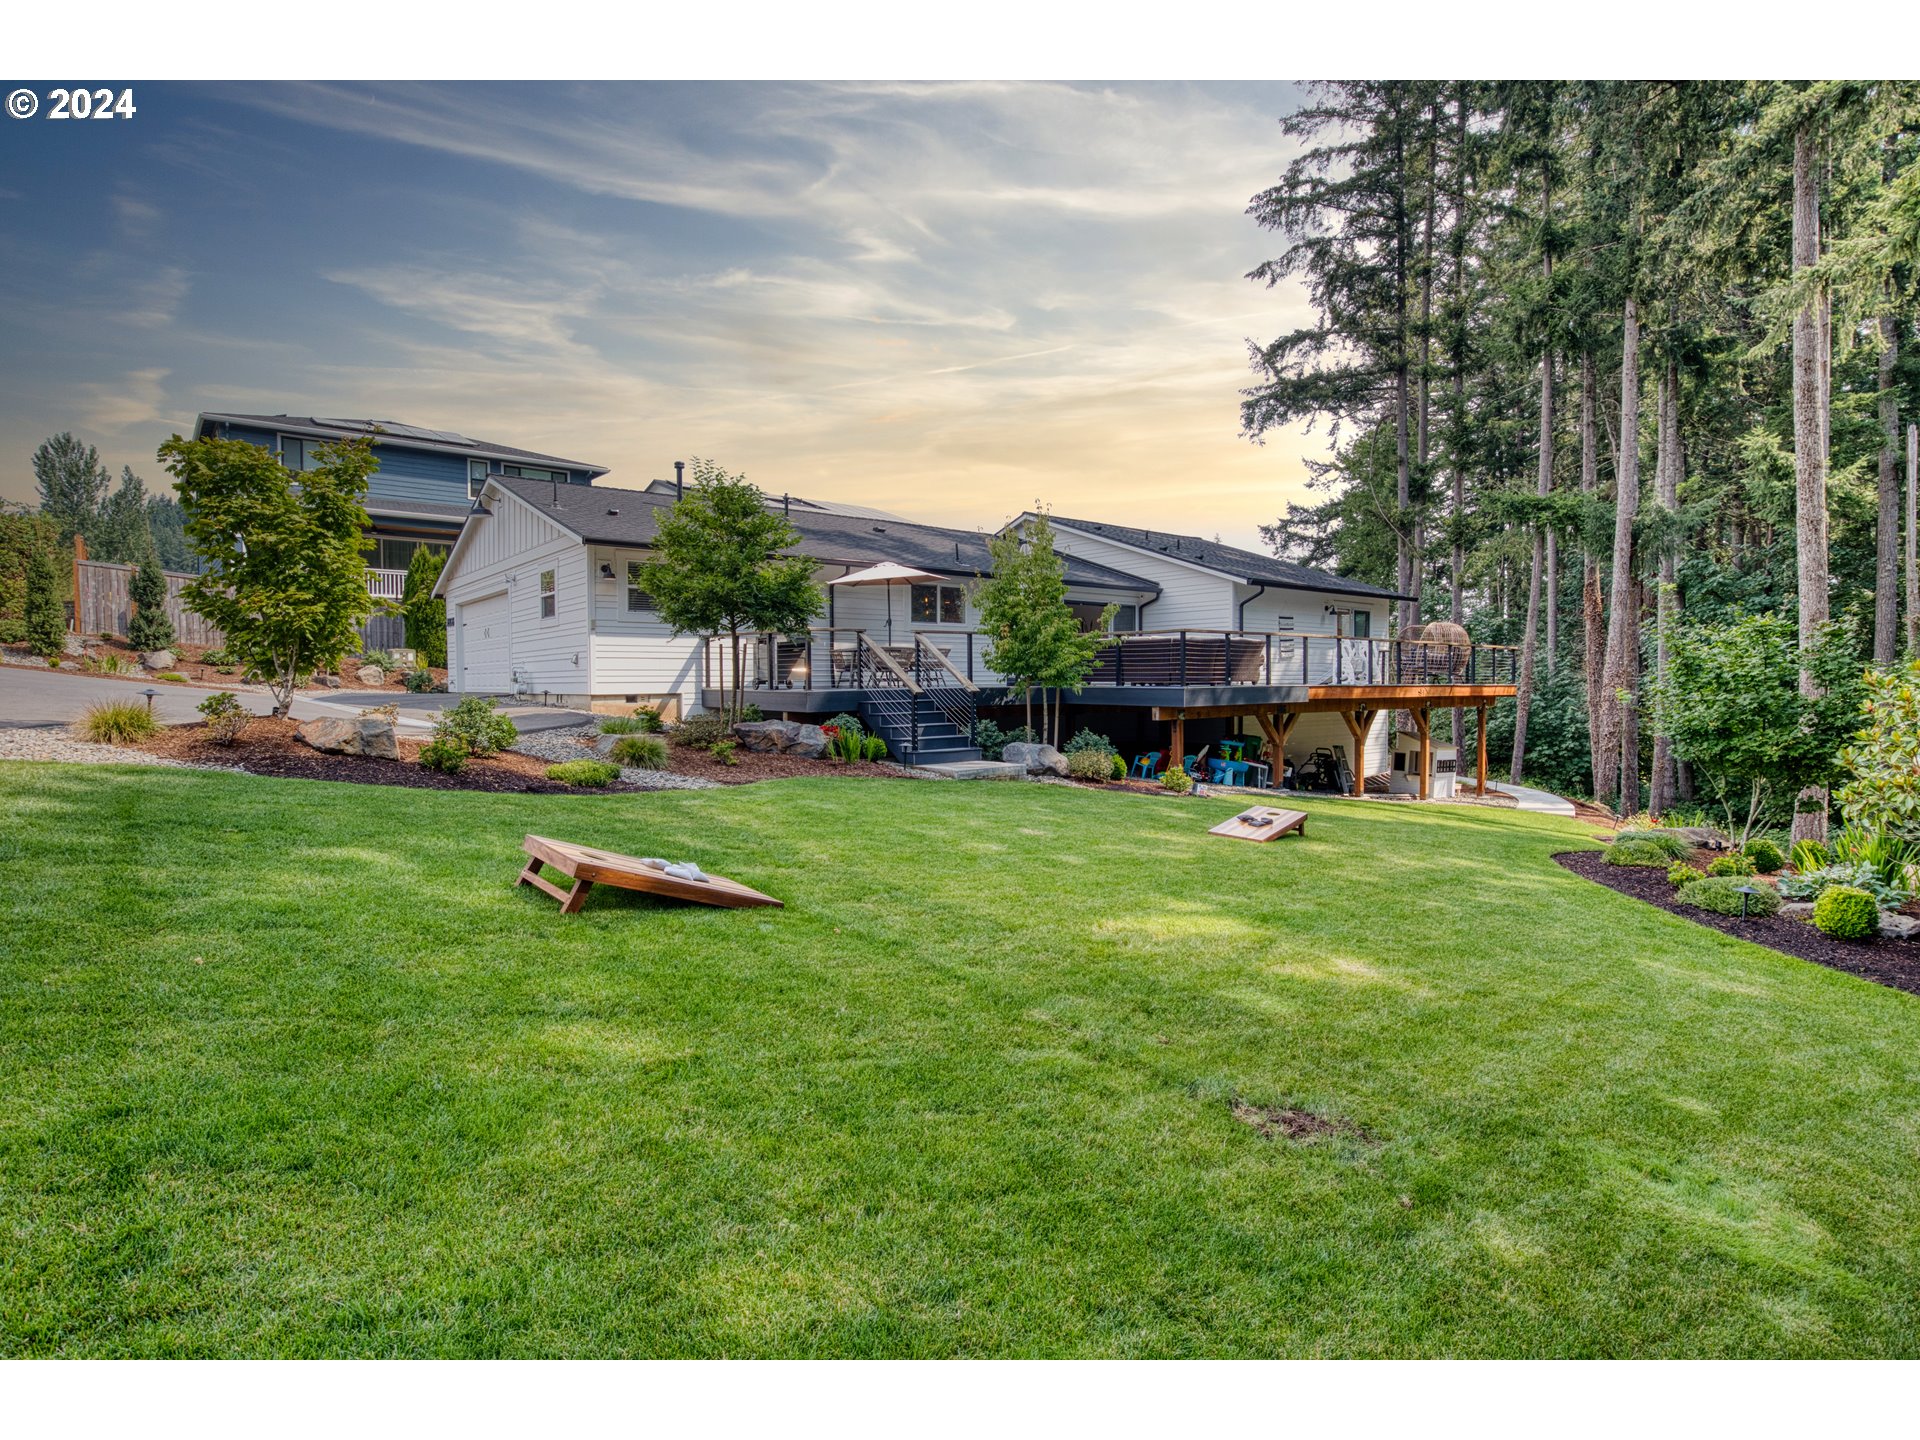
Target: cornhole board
pixel 588 867
pixel 1263 822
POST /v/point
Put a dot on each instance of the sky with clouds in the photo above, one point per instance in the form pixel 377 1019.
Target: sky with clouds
pixel 952 300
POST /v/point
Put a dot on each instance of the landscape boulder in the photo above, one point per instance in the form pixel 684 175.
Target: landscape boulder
pixel 1896 926
pixel 782 737
pixel 157 659
pixel 73 645
pixel 1035 759
pixel 328 682
pixel 370 675
pixel 369 735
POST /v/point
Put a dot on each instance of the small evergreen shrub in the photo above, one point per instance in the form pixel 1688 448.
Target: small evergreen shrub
pixel 44 616
pixel 1846 913
pixel 1177 780
pixel 476 725
pixel 587 774
pixel 445 754
pixel 702 732
pixel 725 751
pixel 172 677
pixel 379 659
pixel 1765 855
pixel 114 722
pixel 227 718
pixel 1736 864
pixel 844 722
pixel 640 752
pixel 1721 894
pixel 1638 850
pixel 216 658
pixel 421 682
pixel 150 629
pixel 1092 765
pixel 1681 873
pixel 1086 741
pixel 1116 768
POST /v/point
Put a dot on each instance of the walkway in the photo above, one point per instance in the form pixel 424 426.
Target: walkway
pixel 1540 802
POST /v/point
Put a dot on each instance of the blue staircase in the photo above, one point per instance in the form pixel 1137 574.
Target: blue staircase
pixel 934 727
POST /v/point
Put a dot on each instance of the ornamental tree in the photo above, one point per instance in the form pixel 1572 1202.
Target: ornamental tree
pixel 46 625
pixel 1734 705
pixel 1884 758
pixel 716 567
pixel 149 629
pixel 1032 637
pixel 426 615
pixel 283 574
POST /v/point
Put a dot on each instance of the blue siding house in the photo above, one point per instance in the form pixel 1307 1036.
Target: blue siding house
pixel 425 484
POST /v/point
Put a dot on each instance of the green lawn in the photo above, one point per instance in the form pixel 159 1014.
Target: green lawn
pixel 291 1069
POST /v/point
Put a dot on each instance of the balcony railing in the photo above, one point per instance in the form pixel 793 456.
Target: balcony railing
pixel 847 660
pixel 386 584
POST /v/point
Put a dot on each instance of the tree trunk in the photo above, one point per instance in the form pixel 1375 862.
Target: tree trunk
pixel 1809 450
pixel 732 706
pixel 1592 618
pixel 1402 521
pixel 1456 607
pixel 1529 647
pixel 1913 541
pixel 1886 574
pixel 1667 604
pixel 1617 686
pixel 1630 713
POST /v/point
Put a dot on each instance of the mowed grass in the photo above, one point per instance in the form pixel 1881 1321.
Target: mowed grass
pixel 291 1069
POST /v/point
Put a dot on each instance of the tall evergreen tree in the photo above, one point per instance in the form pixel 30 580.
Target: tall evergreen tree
pixel 73 485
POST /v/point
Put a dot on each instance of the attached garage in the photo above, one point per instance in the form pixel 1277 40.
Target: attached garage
pixel 485 635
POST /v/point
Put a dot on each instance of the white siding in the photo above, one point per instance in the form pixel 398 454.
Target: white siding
pixel 509 549
pixel 1189 597
pixel 634 651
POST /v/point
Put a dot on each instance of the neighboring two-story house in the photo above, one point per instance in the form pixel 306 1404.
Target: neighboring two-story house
pixel 421 493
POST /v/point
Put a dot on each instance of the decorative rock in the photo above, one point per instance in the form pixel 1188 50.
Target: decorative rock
pixel 368 735
pixel 1797 910
pixel 782 737
pixel 329 682
pixel 1896 926
pixel 157 659
pixel 370 675
pixel 1036 759
pixel 73 645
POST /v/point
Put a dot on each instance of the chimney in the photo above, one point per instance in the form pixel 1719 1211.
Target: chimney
pixel 679 479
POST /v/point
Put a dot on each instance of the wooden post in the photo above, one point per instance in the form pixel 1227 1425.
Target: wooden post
pixel 1358 723
pixel 1481 736
pixel 1276 727
pixel 1422 727
pixel 1176 758
pixel 79 554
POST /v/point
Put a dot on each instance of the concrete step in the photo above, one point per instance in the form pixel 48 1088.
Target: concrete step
pixel 928 755
pixel 976 770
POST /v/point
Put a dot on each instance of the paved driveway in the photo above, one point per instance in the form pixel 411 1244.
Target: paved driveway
pixel 53 698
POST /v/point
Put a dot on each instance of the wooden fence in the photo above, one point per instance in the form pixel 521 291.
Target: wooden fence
pixel 101 604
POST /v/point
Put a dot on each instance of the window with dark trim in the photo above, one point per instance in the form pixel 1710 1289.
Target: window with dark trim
pixel 476 478
pixel 938 605
pixel 534 472
pixel 1087 612
pixel 637 598
pixel 546 595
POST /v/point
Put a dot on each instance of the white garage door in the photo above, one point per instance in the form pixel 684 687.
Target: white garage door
pixel 486 645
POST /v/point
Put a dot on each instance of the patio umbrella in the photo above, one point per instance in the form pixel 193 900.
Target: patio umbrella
pixel 889 574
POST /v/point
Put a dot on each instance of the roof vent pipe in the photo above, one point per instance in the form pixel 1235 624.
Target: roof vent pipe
pixel 679 479
pixel 786 506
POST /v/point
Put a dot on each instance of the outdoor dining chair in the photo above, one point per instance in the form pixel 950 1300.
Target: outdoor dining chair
pixel 1145 767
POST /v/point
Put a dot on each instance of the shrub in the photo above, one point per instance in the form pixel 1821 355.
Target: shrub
pixel 1812 884
pixel 702 732
pixel 1734 865
pixel 725 751
pixel 751 712
pixel 1765 855
pixel 113 722
pixel 1890 855
pixel 641 752
pixel 445 754
pixel 227 718
pixel 476 726
pixel 1086 741
pixel 873 748
pixel 379 659
pixel 1883 792
pixel 172 677
pixel 1846 913
pixel 46 621
pixel 150 629
pixel 1639 850
pixel 1177 780
pixel 587 774
pixel 426 617
pixel 1116 768
pixel 848 746
pixel 1721 894
pixel 1090 765
pixel 990 738
pixel 216 658
pixel 421 682
pixel 1681 873
pixel 1665 842
pixel 641 722
pixel 107 665
pixel 1810 855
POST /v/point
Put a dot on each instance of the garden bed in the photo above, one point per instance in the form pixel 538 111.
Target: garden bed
pixel 750 766
pixel 187 662
pixel 1882 960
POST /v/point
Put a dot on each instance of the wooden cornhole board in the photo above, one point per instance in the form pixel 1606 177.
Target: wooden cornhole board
pixel 1277 823
pixel 589 867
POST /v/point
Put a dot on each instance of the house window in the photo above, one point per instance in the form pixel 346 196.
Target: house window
pixel 476 478
pixel 1362 623
pixel 297 454
pixel 534 472
pixel 1125 617
pixel 546 595
pixel 939 605
pixel 386 552
pixel 637 598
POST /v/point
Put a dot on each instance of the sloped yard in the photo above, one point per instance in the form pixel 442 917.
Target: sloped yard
pixel 292 1069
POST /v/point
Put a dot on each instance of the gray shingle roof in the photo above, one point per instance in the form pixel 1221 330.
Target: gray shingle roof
pixel 397 434
pixel 1243 565
pixel 611 515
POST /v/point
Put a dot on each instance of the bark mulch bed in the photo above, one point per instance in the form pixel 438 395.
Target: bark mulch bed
pixel 269 747
pixel 1895 963
pixel 754 765
pixel 187 662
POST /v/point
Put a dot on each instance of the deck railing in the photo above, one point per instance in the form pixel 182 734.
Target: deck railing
pixel 386 584
pixel 856 659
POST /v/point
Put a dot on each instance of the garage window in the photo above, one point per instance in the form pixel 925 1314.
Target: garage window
pixel 546 594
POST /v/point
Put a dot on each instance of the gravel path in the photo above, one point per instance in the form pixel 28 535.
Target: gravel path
pixel 62 748
pixel 557 745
